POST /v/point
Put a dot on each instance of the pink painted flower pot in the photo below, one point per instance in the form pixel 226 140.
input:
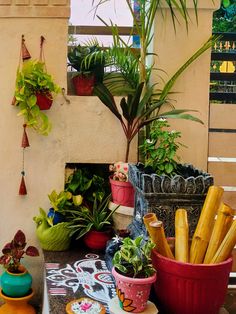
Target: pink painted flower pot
pixel 122 193
pixel 184 288
pixel 133 293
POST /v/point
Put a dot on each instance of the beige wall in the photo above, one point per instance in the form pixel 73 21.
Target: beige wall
pixel 84 130
pixel 192 88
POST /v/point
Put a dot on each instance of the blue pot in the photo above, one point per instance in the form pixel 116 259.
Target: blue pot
pixel 57 217
pixel 16 285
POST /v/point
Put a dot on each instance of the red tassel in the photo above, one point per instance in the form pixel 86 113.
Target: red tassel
pixel 22 189
pixel 24 51
pixel 25 141
pixel 13 101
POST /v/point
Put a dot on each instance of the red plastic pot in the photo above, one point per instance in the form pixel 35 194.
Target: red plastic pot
pixel 133 293
pixel 122 193
pixel 44 100
pixel 97 240
pixel 184 288
pixel 84 84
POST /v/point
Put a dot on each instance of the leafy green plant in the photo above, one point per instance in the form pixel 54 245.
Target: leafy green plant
pixel 60 200
pixel 78 56
pixel 133 259
pixel 15 250
pixel 31 79
pixel 144 100
pixel 83 220
pixel 161 147
pixel 86 184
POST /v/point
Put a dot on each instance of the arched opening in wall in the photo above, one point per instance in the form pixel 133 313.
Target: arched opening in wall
pixel 86 29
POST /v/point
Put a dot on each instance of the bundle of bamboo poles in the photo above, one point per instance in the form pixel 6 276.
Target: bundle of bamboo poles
pixel 213 239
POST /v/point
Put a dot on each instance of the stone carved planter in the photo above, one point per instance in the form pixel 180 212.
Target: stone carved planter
pixel 163 195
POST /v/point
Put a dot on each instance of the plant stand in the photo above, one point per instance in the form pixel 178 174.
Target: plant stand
pixel 17 305
pixel 164 195
pixel 115 308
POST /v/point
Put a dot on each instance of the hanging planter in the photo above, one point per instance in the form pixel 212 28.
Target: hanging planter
pixel 44 100
pixel 34 92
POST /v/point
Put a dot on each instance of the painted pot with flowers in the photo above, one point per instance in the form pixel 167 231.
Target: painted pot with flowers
pixel 121 189
pixel 16 281
pixel 134 273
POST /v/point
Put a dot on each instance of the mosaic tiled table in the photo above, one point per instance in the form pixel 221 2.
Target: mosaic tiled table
pixel 74 274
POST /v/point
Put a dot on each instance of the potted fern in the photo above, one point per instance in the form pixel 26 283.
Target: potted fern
pixel 134 273
pixel 34 92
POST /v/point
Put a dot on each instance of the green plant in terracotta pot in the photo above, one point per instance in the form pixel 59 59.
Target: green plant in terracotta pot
pixel 34 92
pixel 134 273
pixel 89 66
pixel 94 225
pixel 16 281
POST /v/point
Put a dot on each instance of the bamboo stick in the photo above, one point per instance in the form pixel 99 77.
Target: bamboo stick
pixel 158 237
pixel 222 224
pixel 205 224
pixel 150 217
pixel 181 236
pixel 226 246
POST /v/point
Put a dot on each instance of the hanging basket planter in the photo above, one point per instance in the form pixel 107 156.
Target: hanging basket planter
pixel 44 100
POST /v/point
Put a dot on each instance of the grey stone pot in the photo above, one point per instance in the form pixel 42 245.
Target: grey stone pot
pixel 164 195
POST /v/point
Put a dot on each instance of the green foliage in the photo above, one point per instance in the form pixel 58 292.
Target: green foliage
pixel 60 201
pixel 32 78
pixel 15 250
pixel 224 19
pixel 161 147
pixel 84 219
pixel 133 259
pixel 88 59
pixel 88 185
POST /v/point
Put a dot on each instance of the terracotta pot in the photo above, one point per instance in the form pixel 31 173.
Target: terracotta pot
pixel 122 193
pixel 16 284
pixel 133 293
pixel 97 240
pixel 84 84
pixel 44 100
pixel 17 305
pixel 184 288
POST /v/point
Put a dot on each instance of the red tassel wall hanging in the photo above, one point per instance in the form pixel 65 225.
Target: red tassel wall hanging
pixel 24 144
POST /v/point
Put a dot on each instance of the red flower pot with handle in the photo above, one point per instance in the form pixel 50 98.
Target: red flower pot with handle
pixel 185 288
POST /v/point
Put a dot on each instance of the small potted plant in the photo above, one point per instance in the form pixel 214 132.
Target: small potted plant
pixel 89 67
pixel 134 273
pixel 16 281
pixel 121 189
pixel 34 92
pixel 92 224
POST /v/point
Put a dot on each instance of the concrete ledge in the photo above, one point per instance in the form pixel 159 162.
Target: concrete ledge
pixel 57 11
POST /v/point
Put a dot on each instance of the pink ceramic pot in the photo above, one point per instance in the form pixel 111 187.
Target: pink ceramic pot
pixel 133 293
pixel 122 193
pixel 184 288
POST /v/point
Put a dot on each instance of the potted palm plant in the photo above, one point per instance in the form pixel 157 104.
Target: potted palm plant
pixel 16 281
pixel 134 273
pixel 34 92
pixel 94 225
pixel 88 73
